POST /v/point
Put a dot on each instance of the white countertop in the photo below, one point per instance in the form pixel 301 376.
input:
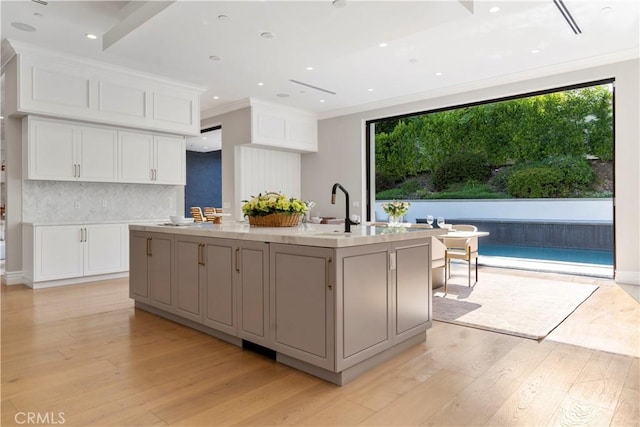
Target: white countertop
pixel 92 222
pixel 321 235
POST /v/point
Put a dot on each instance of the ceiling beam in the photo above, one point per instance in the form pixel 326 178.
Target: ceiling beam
pixel 138 16
pixel 468 4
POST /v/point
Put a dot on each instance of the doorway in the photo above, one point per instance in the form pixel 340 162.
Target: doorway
pixel 204 170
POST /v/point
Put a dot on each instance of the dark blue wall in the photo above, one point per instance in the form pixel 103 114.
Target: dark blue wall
pixel 204 180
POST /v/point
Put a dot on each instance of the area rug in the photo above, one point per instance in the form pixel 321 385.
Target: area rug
pixel 521 306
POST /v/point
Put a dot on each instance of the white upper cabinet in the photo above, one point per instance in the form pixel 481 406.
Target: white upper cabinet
pixel 136 157
pixel 282 127
pixel 74 88
pixel 61 150
pixel 152 159
pixel 170 159
pixel 65 151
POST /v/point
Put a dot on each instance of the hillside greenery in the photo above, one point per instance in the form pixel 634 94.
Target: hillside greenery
pixel 539 146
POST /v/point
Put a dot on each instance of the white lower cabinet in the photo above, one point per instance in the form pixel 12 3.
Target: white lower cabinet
pixel 71 251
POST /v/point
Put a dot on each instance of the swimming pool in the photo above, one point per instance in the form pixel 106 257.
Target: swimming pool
pixel 586 256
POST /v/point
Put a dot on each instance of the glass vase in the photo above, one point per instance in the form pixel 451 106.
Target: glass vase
pixel 395 220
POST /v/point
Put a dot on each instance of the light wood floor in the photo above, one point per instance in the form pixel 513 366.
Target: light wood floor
pixel 85 352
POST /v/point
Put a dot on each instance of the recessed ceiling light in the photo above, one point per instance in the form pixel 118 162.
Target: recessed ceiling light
pixel 205 147
pixel 267 35
pixel 438 73
pixel 216 97
pixel 260 84
pixel 204 137
pixel 309 68
pixel 339 3
pixel 282 95
pixel 23 27
pixel 38 14
pixel 383 44
pixel 322 100
pixel 370 89
pixel 215 58
pixel 534 51
pixel 413 60
pixel 494 9
pixel 91 36
pixel 606 9
pixel 1 117
pixel 223 17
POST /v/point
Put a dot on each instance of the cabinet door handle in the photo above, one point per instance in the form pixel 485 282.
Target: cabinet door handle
pixel 329 262
pixel 149 246
pixel 81 235
pixel 155 174
pixel 75 171
pixel 151 174
pixel 86 234
pixel 201 254
pixel 237 260
pixel 78 170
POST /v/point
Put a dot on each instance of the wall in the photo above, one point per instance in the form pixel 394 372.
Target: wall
pixel 341 154
pixel 204 180
pixel 236 130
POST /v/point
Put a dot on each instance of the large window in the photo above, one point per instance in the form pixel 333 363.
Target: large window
pixel 545 161
pixel 549 145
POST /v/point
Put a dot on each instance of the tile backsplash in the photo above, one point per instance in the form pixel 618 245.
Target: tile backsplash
pixel 58 201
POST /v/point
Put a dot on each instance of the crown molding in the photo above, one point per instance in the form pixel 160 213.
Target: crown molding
pixel 252 102
pixel 7 52
pixel 226 108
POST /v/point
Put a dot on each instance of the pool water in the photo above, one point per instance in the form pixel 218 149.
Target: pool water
pixel 586 256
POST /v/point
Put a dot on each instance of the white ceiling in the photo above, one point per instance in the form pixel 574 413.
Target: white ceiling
pixel 207 141
pixel 176 39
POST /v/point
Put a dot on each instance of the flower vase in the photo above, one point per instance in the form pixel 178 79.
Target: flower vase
pixel 395 221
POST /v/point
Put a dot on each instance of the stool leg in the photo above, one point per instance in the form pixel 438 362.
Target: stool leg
pixel 476 269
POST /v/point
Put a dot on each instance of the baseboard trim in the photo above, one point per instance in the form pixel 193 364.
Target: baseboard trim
pixel 75 280
pixel 11 278
pixel 627 277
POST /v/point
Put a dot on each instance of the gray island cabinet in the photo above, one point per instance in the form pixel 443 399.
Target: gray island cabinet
pixel 328 303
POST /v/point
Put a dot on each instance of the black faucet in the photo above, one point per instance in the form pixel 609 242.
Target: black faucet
pixel 347 219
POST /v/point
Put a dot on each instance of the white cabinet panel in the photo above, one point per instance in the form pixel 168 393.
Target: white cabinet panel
pixel 120 99
pixel 170 160
pixel 136 157
pixel 98 154
pixel 284 128
pixel 58 252
pixel 173 109
pixel 103 249
pixel 51 151
pixel 270 126
pixel 55 85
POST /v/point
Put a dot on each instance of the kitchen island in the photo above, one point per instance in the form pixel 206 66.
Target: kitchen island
pixel 330 303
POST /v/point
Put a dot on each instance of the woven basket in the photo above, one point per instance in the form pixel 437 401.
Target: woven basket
pixel 276 220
